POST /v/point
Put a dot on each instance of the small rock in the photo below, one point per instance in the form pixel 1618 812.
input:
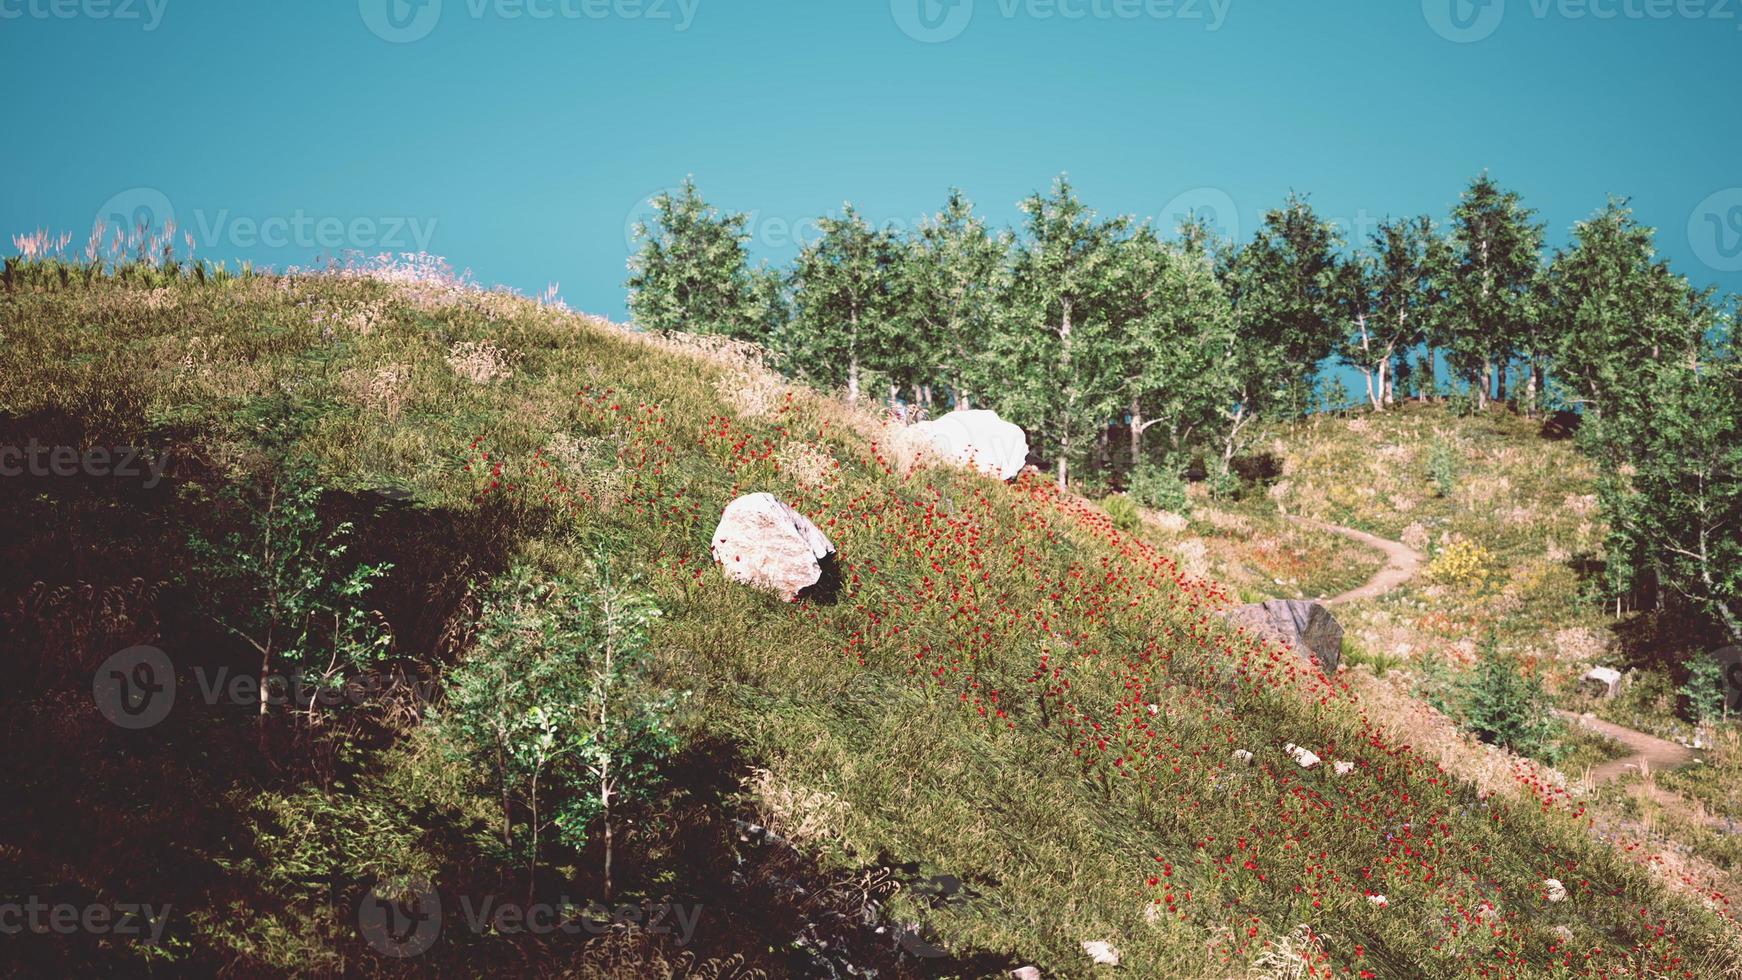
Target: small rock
pixel 764 543
pixel 1026 973
pixel 1554 890
pixel 1243 757
pixel 1304 758
pixel 1102 953
pixel 1343 768
pixel 1379 900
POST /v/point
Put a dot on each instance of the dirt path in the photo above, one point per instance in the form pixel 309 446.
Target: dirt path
pixel 1648 751
pixel 1401 562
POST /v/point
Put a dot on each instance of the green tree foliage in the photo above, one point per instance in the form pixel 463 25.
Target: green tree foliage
pixel 693 273
pixel 1060 353
pixel 553 708
pixel 1680 496
pixel 1282 286
pixel 845 291
pixel 1611 309
pixel 1387 296
pixel 1507 707
pixel 1496 248
pixel 1171 349
pixel 287 588
pixel 956 275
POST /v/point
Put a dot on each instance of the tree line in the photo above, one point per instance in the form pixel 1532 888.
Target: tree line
pixel 1134 356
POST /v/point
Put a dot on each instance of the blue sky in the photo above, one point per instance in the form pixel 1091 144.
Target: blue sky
pixel 521 137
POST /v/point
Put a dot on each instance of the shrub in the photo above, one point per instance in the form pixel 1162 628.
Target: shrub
pixel 1123 510
pixel 1460 563
pixel 1159 487
pixel 1504 706
pixel 1442 467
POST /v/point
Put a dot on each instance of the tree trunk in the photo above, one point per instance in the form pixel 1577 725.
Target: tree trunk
pixel 1136 432
pixel 853 356
pixel 1070 393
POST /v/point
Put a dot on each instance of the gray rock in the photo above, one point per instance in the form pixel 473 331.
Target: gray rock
pixel 1301 623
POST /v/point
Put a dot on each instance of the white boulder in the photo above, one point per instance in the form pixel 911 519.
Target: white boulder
pixel 1304 758
pixel 1243 757
pixel 764 543
pixel 979 439
pixel 1602 682
pixel 1026 973
pixel 1553 890
pixel 1344 767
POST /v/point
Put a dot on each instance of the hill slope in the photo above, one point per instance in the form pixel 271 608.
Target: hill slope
pixel 1010 730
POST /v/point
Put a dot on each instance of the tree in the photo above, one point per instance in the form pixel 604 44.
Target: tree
pixel 957 275
pixel 844 298
pixel 1387 297
pixel 1506 706
pixel 1611 309
pixel 1282 286
pixel 692 272
pixel 286 588
pixel 552 707
pixel 1683 486
pixel 1171 345
pixel 1057 355
pixel 1495 257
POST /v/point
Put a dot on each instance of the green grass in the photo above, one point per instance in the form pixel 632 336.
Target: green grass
pixel 1008 691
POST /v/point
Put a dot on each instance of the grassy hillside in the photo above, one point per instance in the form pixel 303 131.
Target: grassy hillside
pixel 1008 731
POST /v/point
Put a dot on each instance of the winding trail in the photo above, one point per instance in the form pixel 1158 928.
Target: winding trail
pixel 1401 562
pixel 1649 753
pixel 1646 752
